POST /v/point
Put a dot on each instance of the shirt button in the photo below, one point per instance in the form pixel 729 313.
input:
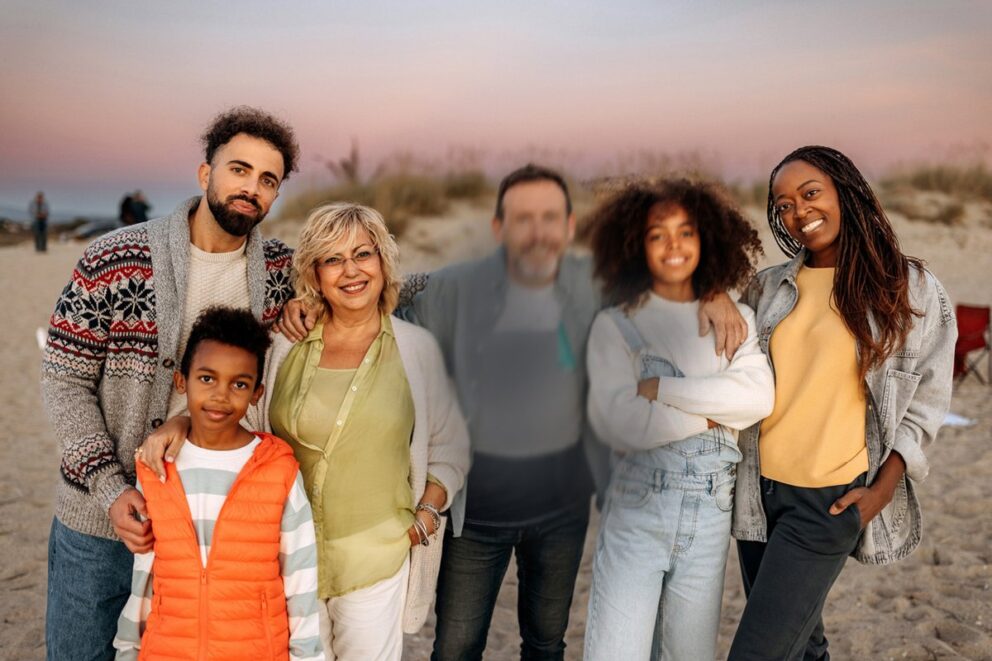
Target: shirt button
pixel 168 362
pixel 367 361
pixel 354 389
pixel 340 422
pixel 156 423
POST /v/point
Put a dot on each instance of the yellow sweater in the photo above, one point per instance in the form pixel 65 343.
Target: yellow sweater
pixel 815 436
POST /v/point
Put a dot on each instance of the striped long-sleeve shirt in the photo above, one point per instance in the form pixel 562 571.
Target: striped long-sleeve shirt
pixel 207 477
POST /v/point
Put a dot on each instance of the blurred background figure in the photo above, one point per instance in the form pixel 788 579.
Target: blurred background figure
pixel 38 211
pixel 139 207
pixel 126 213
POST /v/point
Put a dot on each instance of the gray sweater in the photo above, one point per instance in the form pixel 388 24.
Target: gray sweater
pixel 111 352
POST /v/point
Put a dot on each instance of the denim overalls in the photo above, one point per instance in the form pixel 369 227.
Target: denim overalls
pixel 661 554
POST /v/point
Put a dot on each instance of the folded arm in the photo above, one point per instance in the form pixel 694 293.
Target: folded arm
pixel 620 417
pixel 737 397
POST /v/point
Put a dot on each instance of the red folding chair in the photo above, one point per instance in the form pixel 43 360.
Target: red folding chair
pixel 973 335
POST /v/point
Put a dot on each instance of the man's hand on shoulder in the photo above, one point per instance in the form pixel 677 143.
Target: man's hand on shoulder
pixel 296 321
pixel 136 535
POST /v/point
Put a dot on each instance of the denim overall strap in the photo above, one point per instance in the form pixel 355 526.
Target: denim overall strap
pixel 627 329
pixel 651 366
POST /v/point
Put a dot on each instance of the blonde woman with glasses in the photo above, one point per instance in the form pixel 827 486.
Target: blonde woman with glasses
pixel 365 403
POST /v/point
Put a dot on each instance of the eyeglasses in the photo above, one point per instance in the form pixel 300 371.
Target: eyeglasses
pixel 336 263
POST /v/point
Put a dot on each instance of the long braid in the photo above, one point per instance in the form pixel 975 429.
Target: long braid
pixel 871 282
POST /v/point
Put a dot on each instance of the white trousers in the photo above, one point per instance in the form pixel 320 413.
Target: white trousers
pixel 367 624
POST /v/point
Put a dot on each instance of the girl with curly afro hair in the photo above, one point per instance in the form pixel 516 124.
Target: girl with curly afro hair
pixel 671 407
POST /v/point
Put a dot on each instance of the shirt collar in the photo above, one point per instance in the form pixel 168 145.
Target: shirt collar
pixel 316 334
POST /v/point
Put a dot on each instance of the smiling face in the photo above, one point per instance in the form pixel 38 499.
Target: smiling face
pixel 806 200
pixel 222 383
pixel 672 248
pixel 535 230
pixel 242 182
pixel 350 275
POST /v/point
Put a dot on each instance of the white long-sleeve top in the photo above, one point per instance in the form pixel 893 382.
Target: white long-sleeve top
pixel 735 393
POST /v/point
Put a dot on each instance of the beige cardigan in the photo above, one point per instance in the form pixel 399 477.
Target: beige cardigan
pixel 439 445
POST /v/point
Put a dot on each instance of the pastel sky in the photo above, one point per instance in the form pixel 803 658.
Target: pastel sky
pixel 100 97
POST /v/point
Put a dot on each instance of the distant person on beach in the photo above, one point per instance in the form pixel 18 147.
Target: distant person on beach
pixel 239 529
pixel 513 328
pixel 126 213
pixel 139 207
pixel 861 339
pixel 118 330
pixel 38 212
pixel 661 397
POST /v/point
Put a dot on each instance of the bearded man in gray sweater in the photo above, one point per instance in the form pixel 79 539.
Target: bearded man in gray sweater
pixel 115 338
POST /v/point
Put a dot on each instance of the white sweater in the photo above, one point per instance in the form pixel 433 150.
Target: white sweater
pixel 734 393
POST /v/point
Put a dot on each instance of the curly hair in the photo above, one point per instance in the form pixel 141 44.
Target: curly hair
pixel 728 244
pixel 231 326
pixel 871 282
pixel 329 225
pixel 258 124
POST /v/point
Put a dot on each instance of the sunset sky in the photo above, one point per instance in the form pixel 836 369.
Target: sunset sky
pixel 103 97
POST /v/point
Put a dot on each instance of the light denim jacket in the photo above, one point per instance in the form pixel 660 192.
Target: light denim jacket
pixel 908 397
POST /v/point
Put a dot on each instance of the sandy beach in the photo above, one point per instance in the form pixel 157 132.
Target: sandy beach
pixel 937 604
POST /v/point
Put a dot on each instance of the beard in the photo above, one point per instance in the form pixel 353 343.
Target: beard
pixel 233 222
pixel 538 264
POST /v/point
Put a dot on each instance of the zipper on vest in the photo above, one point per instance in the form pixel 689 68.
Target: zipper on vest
pixel 204 616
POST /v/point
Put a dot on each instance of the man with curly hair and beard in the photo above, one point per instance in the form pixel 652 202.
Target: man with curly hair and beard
pixel 114 340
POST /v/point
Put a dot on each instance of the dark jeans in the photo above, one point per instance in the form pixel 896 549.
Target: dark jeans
pixel 89 580
pixel 472 569
pixel 787 579
pixel 40 229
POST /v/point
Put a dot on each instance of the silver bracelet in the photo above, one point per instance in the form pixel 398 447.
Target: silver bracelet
pixel 435 515
pixel 422 531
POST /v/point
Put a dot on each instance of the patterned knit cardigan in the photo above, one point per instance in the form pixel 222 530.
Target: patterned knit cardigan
pixel 112 349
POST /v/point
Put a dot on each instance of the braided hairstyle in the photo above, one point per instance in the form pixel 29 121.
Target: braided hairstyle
pixel 872 276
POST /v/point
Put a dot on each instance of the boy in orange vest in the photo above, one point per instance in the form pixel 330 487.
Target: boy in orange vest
pixel 233 572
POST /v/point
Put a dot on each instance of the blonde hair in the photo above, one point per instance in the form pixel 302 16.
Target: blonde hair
pixel 328 226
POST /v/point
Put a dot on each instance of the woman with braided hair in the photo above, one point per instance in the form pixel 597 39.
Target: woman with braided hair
pixel 861 340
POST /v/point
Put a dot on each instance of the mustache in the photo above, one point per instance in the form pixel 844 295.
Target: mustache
pixel 244 198
pixel 544 246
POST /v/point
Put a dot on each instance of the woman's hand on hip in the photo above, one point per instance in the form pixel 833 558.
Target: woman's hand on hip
pixel 872 499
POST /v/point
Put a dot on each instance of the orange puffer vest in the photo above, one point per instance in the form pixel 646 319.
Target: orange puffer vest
pixel 235 608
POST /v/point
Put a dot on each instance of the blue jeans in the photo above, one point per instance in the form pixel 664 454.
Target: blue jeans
pixel 662 549
pixel 472 570
pixel 89 580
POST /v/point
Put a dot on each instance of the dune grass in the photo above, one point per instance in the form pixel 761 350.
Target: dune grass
pixel 406 186
pixel 964 181
pixel 401 188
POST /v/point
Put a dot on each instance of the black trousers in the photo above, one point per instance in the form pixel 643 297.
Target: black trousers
pixel 40 230
pixel 787 578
